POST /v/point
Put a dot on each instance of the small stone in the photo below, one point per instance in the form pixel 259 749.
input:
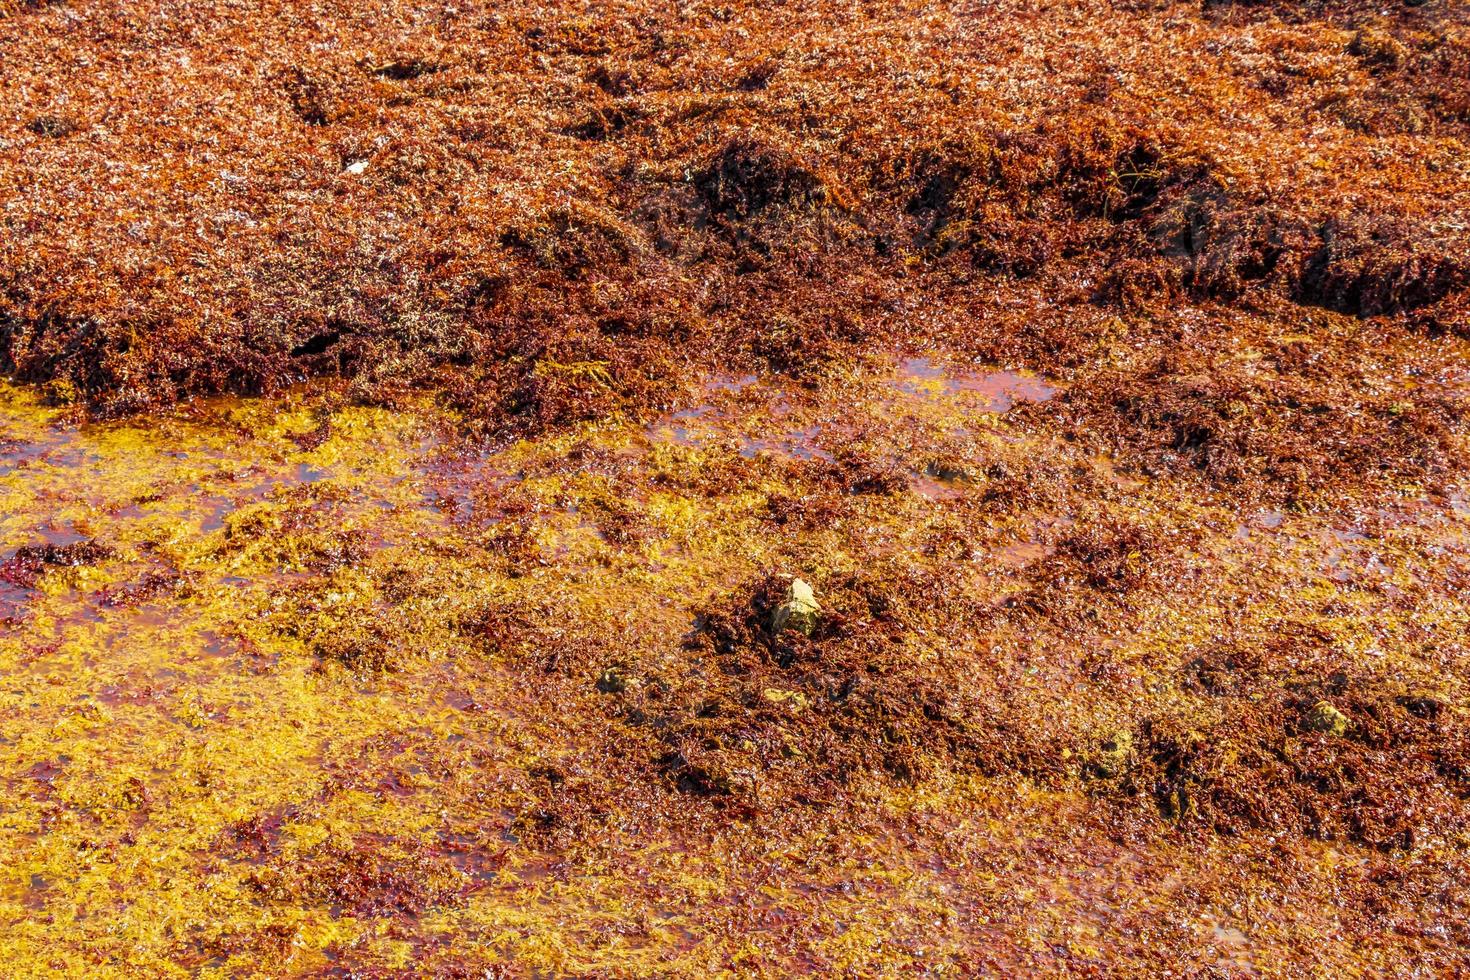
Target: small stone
pixel 357 167
pixel 799 611
pixel 1325 718
pixel 1112 758
pixel 612 681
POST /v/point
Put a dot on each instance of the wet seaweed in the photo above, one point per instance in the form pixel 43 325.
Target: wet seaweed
pixel 470 641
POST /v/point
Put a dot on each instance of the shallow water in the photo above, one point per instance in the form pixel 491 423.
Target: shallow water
pixel 996 390
pixel 377 658
pixel 764 418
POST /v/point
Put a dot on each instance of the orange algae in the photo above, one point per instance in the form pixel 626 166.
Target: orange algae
pixel 551 214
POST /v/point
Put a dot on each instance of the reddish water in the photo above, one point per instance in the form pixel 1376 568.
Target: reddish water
pixel 753 413
pixel 998 390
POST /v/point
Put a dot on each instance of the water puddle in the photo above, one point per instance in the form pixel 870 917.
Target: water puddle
pixel 767 416
pixel 802 444
pixel 1023 553
pixel 464 486
pixel 1266 520
pixel 996 391
pixel 729 414
pixel 731 384
pixel 932 487
pixel 47 448
pixel 13 599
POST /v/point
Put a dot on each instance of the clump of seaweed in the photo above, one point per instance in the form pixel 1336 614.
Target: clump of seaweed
pixel 1277 436
pixel 752 177
pixel 27 564
pixel 305 534
pixel 365 877
pixel 1375 764
pixel 772 715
